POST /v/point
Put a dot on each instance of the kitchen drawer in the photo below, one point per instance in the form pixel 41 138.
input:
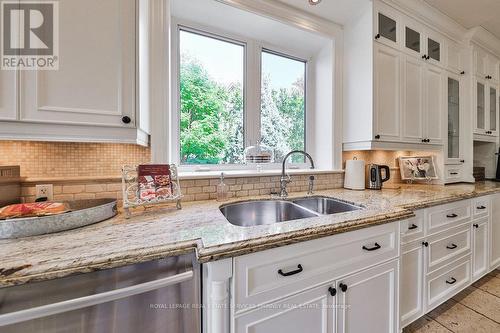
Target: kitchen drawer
pixel 413 228
pixel 453 173
pixel 442 217
pixel 269 275
pixel 481 206
pixel 447 246
pixel 446 282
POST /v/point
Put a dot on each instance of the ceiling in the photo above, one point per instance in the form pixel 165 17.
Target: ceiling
pixel 472 13
pixel 338 11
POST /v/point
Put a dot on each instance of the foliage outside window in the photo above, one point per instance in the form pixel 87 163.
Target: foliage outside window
pixel 212 100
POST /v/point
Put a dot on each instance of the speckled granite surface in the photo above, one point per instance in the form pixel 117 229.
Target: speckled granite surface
pixel 200 227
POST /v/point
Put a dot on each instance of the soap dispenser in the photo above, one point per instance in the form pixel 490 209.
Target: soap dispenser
pixel 222 189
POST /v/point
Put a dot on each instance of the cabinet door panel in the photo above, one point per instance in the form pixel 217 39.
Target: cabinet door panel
pixel 412 100
pixel 492 68
pixel 480 254
pixel 369 303
pixel 480 61
pixel 387 93
pixel 480 107
pixel 95 82
pixel 495 232
pixel 434 104
pixel 493 111
pixel 411 283
pixel 310 311
pixel 8 105
pixel 453 118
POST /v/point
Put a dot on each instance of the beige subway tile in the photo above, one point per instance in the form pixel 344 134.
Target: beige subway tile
pixel 235 187
pixel 93 188
pixel 201 196
pixel 253 193
pixel 84 196
pixel 63 197
pixel 208 189
pixel 247 187
pixel 242 193
pixel 102 195
pixel 194 190
pixel 57 189
pixel 202 182
pixel 114 187
pixel 72 189
pixel 28 190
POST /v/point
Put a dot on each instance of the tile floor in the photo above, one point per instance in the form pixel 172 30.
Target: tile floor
pixel 476 309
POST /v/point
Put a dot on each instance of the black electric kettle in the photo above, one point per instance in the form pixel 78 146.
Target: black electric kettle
pixel 374 177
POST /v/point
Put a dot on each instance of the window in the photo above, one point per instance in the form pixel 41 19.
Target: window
pixel 211 100
pixel 282 122
pixel 222 103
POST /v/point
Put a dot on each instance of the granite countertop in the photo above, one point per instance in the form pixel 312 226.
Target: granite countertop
pixel 200 226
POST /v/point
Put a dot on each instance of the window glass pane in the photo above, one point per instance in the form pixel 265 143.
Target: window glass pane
pixel 412 40
pixel 283 105
pixel 211 100
pixel 453 118
pixel 434 49
pixel 386 27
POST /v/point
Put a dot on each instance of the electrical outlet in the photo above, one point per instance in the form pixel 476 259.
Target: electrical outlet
pixel 44 191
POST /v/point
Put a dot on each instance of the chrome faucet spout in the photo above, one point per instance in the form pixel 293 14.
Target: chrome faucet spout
pixel 284 180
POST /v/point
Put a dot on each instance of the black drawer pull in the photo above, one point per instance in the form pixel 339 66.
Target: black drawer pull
pixel 451 216
pixel 297 271
pixel 343 287
pixel 453 280
pixel 376 247
pixel 413 226
pixel 452 246
pixel 332 291
pixel 475 225
pixel 454 173
pixel 481 207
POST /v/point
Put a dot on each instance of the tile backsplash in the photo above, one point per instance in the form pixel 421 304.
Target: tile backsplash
pixel 63 159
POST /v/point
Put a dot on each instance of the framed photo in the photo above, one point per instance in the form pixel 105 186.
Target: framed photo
pixel 417 168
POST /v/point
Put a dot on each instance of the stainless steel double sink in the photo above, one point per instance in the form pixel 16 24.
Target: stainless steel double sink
pixel 252 213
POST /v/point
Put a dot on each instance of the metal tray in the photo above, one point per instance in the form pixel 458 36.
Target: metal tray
pixel 83 212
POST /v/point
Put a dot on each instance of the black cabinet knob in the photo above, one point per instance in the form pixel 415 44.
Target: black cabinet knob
pixel 377 136
pixel 476 225
pixel 424 57
pixel 343 287
pixel 462 72
pixel 426 244
pixel 332 291
pixel 462 161
pixel 126 120
pixel 377 36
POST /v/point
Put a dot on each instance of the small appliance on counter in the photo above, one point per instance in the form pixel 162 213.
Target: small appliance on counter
pixel 354 174
pixel 374 178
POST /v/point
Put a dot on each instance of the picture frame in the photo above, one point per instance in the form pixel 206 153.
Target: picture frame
pixel 417 168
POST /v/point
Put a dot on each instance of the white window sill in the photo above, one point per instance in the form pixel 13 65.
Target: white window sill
pixel 251 173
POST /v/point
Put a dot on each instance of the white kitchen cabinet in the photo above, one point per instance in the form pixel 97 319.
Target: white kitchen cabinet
pixel 95 83
pixel 486 105
pixel 480 263
pixel 92 96
pixel 8 95
pixel 495 232
pixel 433 106
pixel 455 150
pixel 387 93
pixel 387 25
pixel 411 286
pixel 413 99
pixel 368 300
pixel 310 311
pixel 486 65
pixel 455 57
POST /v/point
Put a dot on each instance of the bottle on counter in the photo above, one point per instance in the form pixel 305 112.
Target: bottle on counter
pixel 222 189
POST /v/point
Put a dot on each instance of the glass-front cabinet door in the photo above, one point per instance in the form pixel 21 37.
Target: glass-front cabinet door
pixel 453 118
pixel 480 108
pixel 433 50
pixel 493 107
pixel 412 40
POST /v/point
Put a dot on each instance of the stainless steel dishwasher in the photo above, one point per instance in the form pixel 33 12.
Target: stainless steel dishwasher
pixel 151 297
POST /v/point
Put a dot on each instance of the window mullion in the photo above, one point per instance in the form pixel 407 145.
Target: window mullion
pixel 252 103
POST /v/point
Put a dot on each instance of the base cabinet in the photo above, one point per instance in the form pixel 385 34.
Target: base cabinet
pixel 495 232
pixel 369 302
pixel 311 311
pixel 411 286
pixel 480 251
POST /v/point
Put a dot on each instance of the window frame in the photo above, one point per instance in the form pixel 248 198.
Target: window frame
pixel 251 92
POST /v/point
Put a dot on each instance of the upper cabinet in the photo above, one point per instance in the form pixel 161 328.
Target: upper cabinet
pixel 485 94
pixel 92 96
pixel 95 82
pixel 387 26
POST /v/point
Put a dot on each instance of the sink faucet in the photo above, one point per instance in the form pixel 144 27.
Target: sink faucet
pixel 285 179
